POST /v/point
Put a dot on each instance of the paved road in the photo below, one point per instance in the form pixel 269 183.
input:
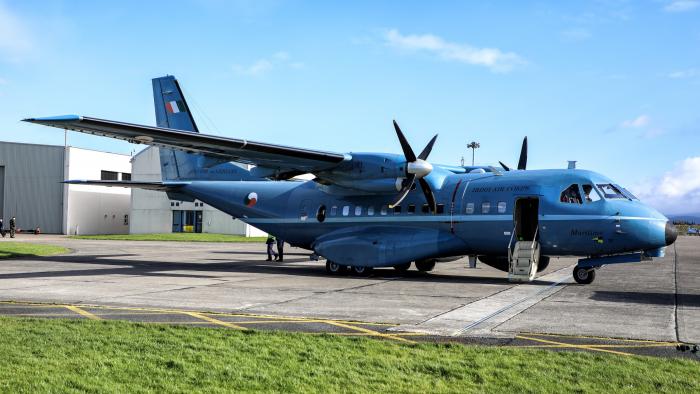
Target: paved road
pixel 657 301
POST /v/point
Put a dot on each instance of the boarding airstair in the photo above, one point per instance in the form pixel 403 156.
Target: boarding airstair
pixel 523 258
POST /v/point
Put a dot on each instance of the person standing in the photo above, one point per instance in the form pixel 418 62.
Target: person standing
pixel 270 249
pixel 2 229
pixel 280 249
pixel 13 226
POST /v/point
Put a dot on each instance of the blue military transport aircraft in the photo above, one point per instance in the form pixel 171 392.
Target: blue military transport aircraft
pixel 367 210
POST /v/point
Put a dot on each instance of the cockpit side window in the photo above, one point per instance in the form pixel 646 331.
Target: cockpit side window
pixel 590 194
pixel 610 191
pixel 571 195
pixel 626 193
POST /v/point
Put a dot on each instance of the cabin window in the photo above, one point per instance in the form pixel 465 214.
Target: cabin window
pixel 590 194
pixel 610 191
pixel 411 208
pixel 397 209
pixel 571 195
pixel 383 210
pixel 440 208
pixel 485 207
pixel 425 208
pixel 358 210
pixel 470 208
pixel 346 210
pixel 321 214
pixel 501 207
pixel 370 211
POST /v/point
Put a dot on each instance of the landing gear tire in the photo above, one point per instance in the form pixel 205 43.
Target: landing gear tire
pixel 402 268
pixel 584 276
pixel 425 265
pixel 335 268
pixel 361 271
pixel 543 263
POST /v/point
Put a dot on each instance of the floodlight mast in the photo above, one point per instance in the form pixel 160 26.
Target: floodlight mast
pixel 473 146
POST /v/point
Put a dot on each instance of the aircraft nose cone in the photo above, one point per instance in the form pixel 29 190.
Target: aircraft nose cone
pixel 671 233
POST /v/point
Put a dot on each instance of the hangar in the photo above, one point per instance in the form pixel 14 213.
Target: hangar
pixel 155 212
pixel 31 189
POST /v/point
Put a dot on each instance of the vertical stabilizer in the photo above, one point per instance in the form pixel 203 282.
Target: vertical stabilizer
pixel 172 110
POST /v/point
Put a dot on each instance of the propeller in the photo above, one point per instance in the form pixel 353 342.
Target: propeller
pixel 416 168
pixel 522 162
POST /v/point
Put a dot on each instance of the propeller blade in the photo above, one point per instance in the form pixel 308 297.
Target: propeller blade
pixel 505 167
pixel 426 151
pixel 429 197
pixel 522 163
pixel 404 191
pixel 407 151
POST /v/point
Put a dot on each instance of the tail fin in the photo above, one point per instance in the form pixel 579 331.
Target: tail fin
pixel 173 112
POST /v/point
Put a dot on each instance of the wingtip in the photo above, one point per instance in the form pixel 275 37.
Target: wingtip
pixel 60 118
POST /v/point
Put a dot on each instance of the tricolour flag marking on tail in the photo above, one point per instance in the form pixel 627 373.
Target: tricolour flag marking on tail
pixel 175 106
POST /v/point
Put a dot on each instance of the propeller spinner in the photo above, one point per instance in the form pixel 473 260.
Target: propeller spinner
pixel 416 168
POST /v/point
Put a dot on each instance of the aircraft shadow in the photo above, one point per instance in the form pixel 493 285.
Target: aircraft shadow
pixel 228 266
pixel 692 300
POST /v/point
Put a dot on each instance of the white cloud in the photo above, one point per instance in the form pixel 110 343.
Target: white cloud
pixel 676 192
pixel 681 5
pixel 265 65
pixel 15 38
pixel 687 73
pixel 493 58
pixel 638 122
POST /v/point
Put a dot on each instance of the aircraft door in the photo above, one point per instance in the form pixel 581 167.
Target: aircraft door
pixel 526 218
pixel 304 210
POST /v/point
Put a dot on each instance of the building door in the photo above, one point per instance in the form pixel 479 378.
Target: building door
pixel 177 221
pixel 2 192
pixel 187 221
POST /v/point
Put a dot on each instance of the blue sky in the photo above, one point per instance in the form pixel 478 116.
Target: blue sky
pixel 612 84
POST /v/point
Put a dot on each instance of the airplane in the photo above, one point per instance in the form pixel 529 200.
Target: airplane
pixel 369 210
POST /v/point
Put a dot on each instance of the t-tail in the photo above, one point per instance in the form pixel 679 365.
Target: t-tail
pixel 173 112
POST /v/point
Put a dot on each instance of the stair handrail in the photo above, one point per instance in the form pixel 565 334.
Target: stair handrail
pixel 510 251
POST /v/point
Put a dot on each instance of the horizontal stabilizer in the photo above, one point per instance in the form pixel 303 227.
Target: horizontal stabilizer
pixel 160 186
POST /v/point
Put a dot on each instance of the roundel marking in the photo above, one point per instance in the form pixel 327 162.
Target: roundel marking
pixel 251 199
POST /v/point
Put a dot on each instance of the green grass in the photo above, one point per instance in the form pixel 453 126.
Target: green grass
pixel 112 356
pixel 183 237
pixel 26 249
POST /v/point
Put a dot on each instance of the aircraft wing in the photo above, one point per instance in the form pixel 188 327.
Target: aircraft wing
pixel 282 158
pixel 160 186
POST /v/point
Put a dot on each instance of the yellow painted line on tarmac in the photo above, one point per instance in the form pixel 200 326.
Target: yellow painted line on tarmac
pixel 212 320
pixel 601 338
pixel 573 346
pixel 368 331
pixel 82 312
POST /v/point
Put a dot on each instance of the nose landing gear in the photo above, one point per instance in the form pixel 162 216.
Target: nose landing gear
pixel 584 276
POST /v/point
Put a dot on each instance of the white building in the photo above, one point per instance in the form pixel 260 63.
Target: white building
pixel 154 212
pixel 31 189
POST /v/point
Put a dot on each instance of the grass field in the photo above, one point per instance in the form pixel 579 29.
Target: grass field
pixel 111 356
pixel 24 249
pixel 182 237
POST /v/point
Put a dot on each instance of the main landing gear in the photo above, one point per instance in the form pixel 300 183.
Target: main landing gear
pixel 338 269
pixel 584 276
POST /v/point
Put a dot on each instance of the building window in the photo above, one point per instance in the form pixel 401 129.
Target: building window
pixel 501 207
pixel 358 210
pixel 346 210
pixel 470 208
pixel 370 211
pixel 126 220
pixel 485 207
pixel 126 176
pixel 108 176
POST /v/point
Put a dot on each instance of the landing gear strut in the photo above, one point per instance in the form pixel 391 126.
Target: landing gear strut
pixel 584 276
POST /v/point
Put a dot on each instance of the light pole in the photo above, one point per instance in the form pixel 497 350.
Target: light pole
pixel 473 146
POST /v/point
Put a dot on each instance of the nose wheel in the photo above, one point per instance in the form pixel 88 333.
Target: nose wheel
pixel 584 276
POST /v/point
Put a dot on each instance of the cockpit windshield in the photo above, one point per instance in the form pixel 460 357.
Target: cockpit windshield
pixel 610 191
pixel 627 193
